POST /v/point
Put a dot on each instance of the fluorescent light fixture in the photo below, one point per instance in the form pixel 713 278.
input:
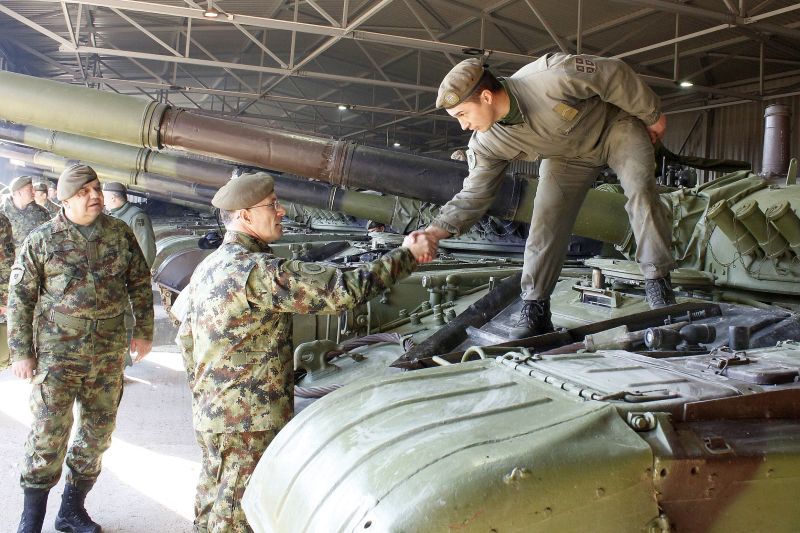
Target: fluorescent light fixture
pixel 686 84
pixel 396 144
pixel 342 107
pixel 210 11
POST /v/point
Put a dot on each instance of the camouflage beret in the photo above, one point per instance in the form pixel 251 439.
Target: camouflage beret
pixel 19 182
pixel 40 186
pixel 243 192
pixel 115 186
pixel 459 83
pixel 72 179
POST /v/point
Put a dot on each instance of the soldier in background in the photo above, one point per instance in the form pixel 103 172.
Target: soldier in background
pixel 236 338
pixel 80 272
pixel 41 198
pixel 115 196
pixel 23 213
pixel 6 260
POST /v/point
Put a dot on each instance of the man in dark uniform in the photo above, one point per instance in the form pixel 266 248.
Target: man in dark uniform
pixel 578 113
pixel 236 338
pixel 115 197
pixel 78 273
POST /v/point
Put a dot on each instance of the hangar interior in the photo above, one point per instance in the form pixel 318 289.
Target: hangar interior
pixel 342 94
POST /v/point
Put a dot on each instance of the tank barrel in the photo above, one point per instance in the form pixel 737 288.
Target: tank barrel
pixel 132 121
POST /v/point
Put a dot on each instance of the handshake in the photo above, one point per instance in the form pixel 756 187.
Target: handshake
pixel 424 244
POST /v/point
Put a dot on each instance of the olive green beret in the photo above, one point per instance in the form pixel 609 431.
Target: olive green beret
pixel 243 192
pixel 459 83
pixel 72 179
pixel 40 186
pixel 19 182
pixel 115 186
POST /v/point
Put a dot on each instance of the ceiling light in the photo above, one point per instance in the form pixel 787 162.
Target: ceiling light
pixel 342 107
pixel 210 11
pixel 686 83
pixel 396 144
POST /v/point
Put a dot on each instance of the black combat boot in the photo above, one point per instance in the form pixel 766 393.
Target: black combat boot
pixel 33 511
pixel 534 319
pixel 659 292
pixel 72 516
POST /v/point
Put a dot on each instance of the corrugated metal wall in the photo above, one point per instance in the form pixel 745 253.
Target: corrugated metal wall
pixel 731 132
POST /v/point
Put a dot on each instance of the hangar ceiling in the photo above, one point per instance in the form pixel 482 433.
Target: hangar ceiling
pixel 368 70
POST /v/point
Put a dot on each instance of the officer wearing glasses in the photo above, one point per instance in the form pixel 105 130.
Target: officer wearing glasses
pixel 236 339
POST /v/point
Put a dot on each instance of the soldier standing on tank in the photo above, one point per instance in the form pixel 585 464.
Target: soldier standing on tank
pixel 41 198
pixel 236 338
pixel 578 113
pixel 6 261
pixel 80 272
pixel 23 213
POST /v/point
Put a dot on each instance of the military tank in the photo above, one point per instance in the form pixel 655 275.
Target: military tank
pixel 626 418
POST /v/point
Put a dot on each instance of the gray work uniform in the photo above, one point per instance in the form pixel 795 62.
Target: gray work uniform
pixel 579 113
pixel 142 228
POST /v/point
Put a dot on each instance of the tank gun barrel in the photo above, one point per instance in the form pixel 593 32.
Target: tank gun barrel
pixel 132 121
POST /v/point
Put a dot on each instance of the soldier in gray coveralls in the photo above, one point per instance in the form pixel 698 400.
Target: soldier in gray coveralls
pixel 578 113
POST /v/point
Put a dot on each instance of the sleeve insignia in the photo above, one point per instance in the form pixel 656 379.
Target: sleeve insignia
pixel 472 161
pixel 583 64
pixel 140 222
pixel 16 276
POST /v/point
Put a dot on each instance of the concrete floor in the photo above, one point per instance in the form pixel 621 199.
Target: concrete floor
pixel 150 471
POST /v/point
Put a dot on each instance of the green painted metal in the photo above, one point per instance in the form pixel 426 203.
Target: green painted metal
pixel 470 447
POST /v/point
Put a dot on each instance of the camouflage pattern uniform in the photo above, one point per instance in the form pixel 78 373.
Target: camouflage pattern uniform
pixel 82 288
pixel 23 221
pixel 52 207
pixel 6 260
pixel 236 344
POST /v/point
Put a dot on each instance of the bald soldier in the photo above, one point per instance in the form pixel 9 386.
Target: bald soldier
pixel 40 196
pixel 23 213
pixel 79 272
pixel 237 335
pixel 578 113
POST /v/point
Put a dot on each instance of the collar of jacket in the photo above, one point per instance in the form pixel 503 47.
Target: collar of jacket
pixel 119 210
pixel 62 223
pixel 248 241
pixel 514 115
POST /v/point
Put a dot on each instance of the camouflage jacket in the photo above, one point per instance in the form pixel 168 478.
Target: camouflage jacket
pixel 6 257
pixel 236 339
pixel 142 227
pixel 23 221
pixel 567 103
pixel 82 287
pixel 52 207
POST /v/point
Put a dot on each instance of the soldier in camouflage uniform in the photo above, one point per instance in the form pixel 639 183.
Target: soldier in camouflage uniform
pixel 78 273
pixel 236 338
pixel 6 260
pixel 23 213
pixel 41 198
pixel 578 113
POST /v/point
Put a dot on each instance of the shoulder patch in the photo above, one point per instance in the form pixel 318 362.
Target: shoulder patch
pixel 472 161
pixel 584 64
pixel 139 222
pixel 16 276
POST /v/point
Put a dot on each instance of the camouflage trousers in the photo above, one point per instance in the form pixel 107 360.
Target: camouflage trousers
pixel 5 358
pixel 95 383
pixel 228 462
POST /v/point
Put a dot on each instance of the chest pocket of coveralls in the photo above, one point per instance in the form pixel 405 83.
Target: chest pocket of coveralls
pixel 571 114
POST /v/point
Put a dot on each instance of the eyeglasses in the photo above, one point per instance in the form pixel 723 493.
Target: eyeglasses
pixel 274 205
